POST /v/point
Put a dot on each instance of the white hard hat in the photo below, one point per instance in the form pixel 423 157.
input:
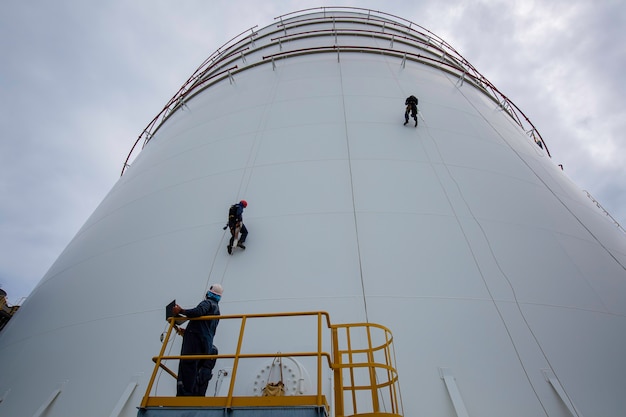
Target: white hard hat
pixel 216 289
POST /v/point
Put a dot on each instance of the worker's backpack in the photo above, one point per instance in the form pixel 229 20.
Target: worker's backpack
pixel 232 212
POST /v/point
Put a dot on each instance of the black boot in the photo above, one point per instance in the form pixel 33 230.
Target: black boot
pixel 240 245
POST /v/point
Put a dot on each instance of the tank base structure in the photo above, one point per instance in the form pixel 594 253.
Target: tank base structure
pixel 502 283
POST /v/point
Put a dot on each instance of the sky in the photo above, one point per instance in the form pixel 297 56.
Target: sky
pixel 80 80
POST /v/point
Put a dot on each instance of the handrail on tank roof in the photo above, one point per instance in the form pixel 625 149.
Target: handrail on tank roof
pixel 410 23
pixel 597 203
pixel 196 80
pixel 534 133
pixel 428 34
pixel 393 36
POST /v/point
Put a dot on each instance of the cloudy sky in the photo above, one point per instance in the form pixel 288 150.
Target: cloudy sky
pixel 80 79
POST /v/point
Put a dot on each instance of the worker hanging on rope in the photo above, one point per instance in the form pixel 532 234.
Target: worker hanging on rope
pixel 411 106
pixel 238 231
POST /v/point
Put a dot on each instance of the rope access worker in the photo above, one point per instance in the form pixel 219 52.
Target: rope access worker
pixel 411 106
pixel 236 226
pixel 194 374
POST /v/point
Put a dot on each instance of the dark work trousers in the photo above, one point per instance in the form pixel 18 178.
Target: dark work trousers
pixel 189 370
pixel 244 233
pixel 205 373
pixel 410 108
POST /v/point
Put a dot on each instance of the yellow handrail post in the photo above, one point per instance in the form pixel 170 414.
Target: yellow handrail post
pixel 390 376
pixel 231 388
pixel 337 374
pixel 372 371
pixel 319 358
pixel 396 385
pixel 351 368
pixel 144 400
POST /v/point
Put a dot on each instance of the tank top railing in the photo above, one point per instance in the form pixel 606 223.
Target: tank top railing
pixel 597 203
pixel 240 43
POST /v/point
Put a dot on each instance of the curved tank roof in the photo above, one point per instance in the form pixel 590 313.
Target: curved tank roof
pixel 503 283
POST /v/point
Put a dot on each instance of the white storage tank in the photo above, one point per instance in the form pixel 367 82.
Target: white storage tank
pixel 503 284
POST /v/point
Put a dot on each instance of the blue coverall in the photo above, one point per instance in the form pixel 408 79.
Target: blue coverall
pixel 194 375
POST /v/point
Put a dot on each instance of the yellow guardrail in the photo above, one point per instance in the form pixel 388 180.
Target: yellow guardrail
pixel 368 367
pixel 364 366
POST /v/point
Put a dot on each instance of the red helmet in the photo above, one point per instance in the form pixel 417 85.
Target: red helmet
pixel 244 203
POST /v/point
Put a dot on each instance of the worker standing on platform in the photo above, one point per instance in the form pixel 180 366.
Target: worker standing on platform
pixel 194 374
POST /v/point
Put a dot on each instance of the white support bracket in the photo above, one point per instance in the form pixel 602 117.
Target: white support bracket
pixel 243 57
pixel 230 77
pixel 146 139
pixel 182 104
pixel 404 61
pixel 273 64
pixel 50 400
pixel 338 55
pixel 552 379
pixel 134 382
pixel 391 43
pixel 453 391
pixel 443 57
pixel 461 80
